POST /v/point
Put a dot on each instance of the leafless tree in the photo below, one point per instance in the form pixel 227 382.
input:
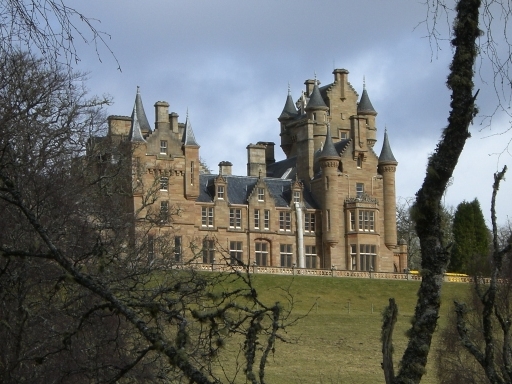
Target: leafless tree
pixel 406 229
pixel 475 345
pixel 85 297
pixel 492 348
pixel 494 62
pixel 48 28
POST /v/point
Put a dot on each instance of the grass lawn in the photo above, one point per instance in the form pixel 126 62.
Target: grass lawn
pixel 339 341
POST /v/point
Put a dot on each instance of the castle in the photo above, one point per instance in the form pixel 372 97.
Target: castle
pixel 330 204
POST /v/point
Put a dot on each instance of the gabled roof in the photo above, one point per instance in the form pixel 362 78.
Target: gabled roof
pixel 188 134
pixel 239 189
pixel 315 100
pixel 386 155
pixel 139 120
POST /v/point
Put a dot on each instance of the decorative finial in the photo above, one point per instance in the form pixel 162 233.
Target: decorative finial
pixel 315 79
pixel 187 113
pixel 289 92
pixel 364 82
pixel 138 89
pixel 259 176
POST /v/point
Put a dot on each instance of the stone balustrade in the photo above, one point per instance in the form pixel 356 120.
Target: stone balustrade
pixel 330 273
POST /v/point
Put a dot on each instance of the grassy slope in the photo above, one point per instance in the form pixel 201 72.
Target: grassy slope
pixel 335 346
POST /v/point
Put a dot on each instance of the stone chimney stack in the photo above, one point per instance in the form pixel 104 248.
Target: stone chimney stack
pixel 174 122
pixel 256 154
pixel 269 151
pixel 341 77
pixel 225 168
pixel 162 115
pixel 310 84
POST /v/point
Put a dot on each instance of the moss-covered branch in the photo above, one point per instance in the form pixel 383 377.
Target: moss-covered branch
pixel 435 255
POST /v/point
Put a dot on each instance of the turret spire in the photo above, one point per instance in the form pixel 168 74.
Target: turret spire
pixel 139 120
pixel 188 133
pixel 386 155
pixel 328 149
pixel 289 110
pixel 315 99
pixel 365 107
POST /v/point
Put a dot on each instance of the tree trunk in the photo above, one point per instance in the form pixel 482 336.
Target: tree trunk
pixel 435 254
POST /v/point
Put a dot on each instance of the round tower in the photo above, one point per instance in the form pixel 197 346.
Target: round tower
pixel 365 108
pixel 191 152
pixel 316 111
pixel 288 114
pixel 329 161
pixel 387 168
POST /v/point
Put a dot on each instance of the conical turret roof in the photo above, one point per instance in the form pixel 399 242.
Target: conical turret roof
pixel 328 149
pixel 386 154
pixel 289 110
pixel 188 134
pixel 139 120
pixel 315 100
pixel 365 105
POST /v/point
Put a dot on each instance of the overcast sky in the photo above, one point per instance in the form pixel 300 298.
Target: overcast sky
pixel 229 62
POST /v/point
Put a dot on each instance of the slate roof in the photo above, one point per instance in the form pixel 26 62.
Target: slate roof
pixel 365 105
pixel 239 189
pixel 386 154
pixel 188 134
pixel 329 150
pixel 315 100
pixel 279 168
pixel 139 120
pixel 289 110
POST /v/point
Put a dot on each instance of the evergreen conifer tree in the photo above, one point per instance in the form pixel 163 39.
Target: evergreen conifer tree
pixel 471 237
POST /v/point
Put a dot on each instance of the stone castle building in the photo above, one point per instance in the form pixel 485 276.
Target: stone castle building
pixel 330 204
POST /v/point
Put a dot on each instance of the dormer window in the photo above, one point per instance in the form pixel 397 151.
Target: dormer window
pixel 220 192
pixel 163 147
pixel 296 196
pixel 261 194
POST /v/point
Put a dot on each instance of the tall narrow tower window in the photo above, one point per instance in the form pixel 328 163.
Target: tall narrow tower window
pixel 164 183
pixel 191 173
